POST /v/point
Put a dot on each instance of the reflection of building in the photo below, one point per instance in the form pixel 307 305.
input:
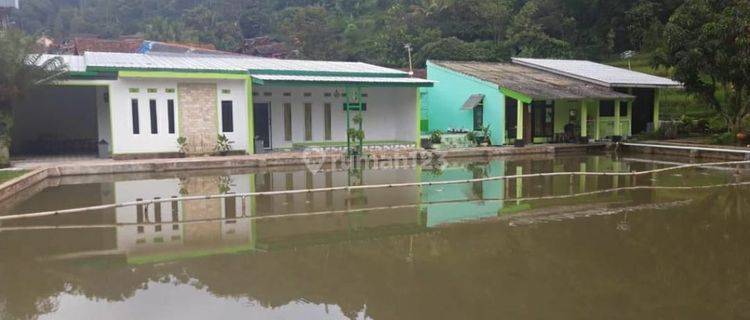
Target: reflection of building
pixel 457 202
pixel 176 230
pixel 155 232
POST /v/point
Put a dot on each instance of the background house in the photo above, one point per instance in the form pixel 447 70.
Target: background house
pixel 536 100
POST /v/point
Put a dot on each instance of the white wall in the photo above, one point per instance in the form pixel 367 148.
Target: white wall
pixel 102 115
pixel 391 113
pixel 122 127
pixel 130 239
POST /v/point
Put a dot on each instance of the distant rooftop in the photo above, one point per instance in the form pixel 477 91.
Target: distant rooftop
pixel 9 4
pixel 599 73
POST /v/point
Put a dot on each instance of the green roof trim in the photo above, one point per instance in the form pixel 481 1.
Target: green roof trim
pixel 516 95
pixel 182 75
pixel 291 83
pixel 328 73
pixel 122 69
pixel 157 258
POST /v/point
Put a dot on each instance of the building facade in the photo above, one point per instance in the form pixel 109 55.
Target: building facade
pixel 541 101
pixel 139 104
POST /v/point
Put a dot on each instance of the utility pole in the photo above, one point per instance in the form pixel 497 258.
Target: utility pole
pixel 411 67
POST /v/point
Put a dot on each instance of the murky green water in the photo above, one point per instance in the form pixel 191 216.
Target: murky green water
pixel 468 251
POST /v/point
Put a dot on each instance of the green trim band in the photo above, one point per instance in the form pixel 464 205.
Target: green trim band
pixel 182 75
pixel 328 73
pixel 117 69
pixel 516 95
pixel 336 83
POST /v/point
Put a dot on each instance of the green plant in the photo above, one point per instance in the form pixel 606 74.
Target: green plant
pixel 436 137
pixel 223 145
pixel 357 119
pixel 486 134
pixel 184 146
pixel 224 184
pixel 471 137
pixel 726 138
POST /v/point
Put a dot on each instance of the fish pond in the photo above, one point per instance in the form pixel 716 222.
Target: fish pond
pixel 669 244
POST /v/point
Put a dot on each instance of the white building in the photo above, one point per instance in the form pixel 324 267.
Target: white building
pixel 140 104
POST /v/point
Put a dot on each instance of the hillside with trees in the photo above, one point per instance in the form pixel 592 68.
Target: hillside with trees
pixel 371 30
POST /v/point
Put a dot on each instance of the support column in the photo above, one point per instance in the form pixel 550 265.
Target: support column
pixel 618 129
pixel 250 116
pixel 630 113
pixel 657 95
pixel 598 121
pixel 519 123
pixel 519 183
pixel 584 120
pixel 418 116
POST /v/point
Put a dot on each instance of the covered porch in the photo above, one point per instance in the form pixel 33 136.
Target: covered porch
pixel 530 120
pixel 300 112
pixel 542 107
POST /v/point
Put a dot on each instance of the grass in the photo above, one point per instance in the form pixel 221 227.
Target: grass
pixel 8 175
pixel 674 103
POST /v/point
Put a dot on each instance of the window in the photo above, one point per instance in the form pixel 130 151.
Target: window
pixel 226 91
pixel 288 122
pixel 227 117
pixel 230 207
pixel 152 90
pixel 479 117
pixel 623 108
pixel 308 121
pixel 607 108
pixel 327 120
pixel 170 115
pixel 134 111
pixel 152 113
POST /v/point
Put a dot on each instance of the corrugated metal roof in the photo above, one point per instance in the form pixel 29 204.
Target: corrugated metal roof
pixel 599 73
pixel 339 79
pixel 75 63
pixel 233 63
pixel 534 83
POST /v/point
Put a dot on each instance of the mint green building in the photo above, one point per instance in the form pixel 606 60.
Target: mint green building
pixel 541 100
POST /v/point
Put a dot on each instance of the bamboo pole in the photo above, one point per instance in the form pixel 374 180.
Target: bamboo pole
pixel 351 188
pixel 372 210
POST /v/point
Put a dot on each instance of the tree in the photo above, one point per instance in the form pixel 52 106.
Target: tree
pixel 707 43
pixel 309 29
pixel 529 39
pixel 20 73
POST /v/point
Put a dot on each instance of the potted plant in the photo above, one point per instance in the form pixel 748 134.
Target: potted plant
pixel 184 147
pixel 486 136
pixel 436 138
pixel 223 145
pixel 471 137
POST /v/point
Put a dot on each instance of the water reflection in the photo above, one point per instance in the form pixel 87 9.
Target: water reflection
pixel 397 253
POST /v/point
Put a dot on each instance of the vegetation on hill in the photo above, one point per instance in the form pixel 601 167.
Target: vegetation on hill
pixel 372 30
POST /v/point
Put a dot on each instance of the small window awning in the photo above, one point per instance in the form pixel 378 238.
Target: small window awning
pixel 473 101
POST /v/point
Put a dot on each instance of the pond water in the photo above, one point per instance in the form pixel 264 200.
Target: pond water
pixel 595 247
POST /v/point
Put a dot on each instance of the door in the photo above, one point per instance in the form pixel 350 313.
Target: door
pixel 643 110
pixel 511 119
pixel 262 122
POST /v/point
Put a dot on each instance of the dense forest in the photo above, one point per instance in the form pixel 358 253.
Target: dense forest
pixel 372 30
